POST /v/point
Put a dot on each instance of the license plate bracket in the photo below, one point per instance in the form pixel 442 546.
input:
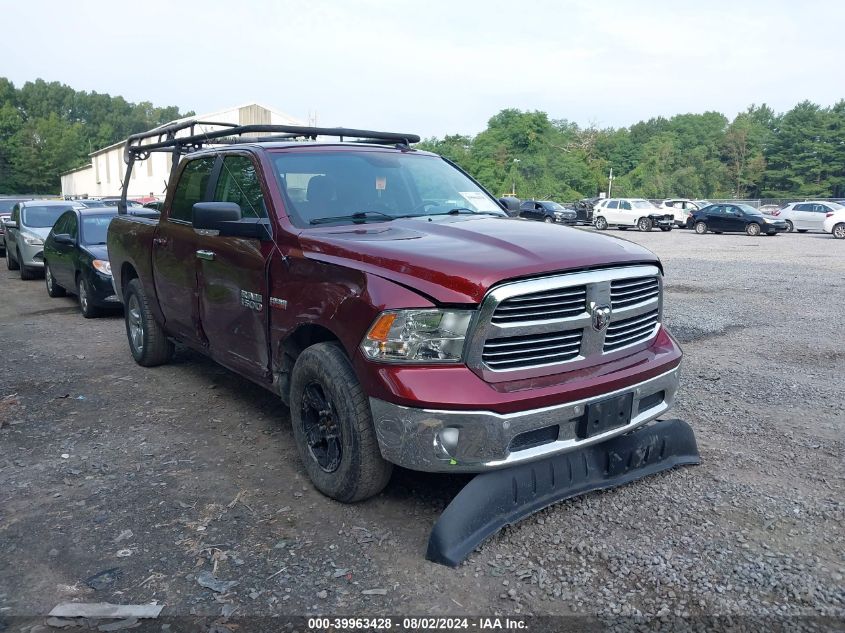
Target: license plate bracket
pixel 605 415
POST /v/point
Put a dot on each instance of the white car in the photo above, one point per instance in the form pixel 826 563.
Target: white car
pixel 834 223
pixel 682 209
pixel 807 216
pixel 631 212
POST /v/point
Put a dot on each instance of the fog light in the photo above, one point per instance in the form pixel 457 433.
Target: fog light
pixel 447 440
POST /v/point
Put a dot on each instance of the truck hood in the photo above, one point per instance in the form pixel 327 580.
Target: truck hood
pixel 457 259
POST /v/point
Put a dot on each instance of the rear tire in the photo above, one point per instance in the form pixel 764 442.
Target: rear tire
pixel 700 228
pixel 752 229
pixel 333 426
pixel 789 226
pixel 53 289
pixel 838 231
pixel 600 224
pixel 147 341
pixel 83 291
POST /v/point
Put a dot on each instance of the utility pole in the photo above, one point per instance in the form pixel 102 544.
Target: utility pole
pixel 610 183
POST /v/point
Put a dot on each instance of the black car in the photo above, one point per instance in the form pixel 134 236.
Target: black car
pixel 734 218
pixel 76 259
pixel 155 205
pixel 547 211
pixel 584 210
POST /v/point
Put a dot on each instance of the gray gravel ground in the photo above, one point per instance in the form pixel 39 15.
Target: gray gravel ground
pixel 200 466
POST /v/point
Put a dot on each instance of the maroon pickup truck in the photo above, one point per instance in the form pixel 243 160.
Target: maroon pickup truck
pixel 387 297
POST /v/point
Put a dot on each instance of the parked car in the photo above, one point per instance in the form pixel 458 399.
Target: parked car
pixel 735 218
pixel 834 223
pixel 547 211
pixel 631 212
pixel 26 229
pixel 584 210
pixel 113 202
pixel 395 308
pixel 681 208
pixel 76 259
pixel 807 216
pixel 6 205
pixel 155 205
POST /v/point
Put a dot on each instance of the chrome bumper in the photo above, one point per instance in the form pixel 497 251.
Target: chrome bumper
pixel 476 441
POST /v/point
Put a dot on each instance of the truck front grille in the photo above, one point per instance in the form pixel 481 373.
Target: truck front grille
pixel 542 326
pixel 542 306
pixel 630 331
pixel 628 292
pixel 534 349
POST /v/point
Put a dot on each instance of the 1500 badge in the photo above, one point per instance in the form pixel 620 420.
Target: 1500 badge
pixel 252 300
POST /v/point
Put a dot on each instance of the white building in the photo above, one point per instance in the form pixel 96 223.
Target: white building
pixel 104 176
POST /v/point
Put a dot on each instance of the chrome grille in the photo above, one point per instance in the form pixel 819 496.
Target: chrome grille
pixel 542 326
pixel 630 331
pixel 629 292
pixel 514 352
pixel 541 306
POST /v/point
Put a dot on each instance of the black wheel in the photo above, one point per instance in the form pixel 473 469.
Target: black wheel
pixel 789 226
pixel 333 426
pixel 11 262
pixel 645 224
pixel 752 229
pixel 701 228
pixel 601 223
pixel 53 289
pixel 83 291
pixel 802 230
pixel 147 341
pixel 26 273
pixel 548 220
pixel 839 231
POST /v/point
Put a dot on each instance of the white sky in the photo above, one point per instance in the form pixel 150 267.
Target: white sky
pixel 435 67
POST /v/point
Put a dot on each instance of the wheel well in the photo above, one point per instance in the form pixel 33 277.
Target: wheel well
pixel 297 342
pixel 127 274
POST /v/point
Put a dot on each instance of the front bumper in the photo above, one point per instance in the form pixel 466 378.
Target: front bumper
pixel 32 256
pixel 103 294
pixel 567 220
pixel 475 441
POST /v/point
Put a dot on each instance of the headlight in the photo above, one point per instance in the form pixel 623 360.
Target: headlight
pixel 417 336
pixel 33 240
pixel 102 266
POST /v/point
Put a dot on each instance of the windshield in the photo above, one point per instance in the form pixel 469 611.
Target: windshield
pixel 747 208
pixel 94 229
pixel 552 206
pixel 329 187
pixel 642 204
pixel 43 217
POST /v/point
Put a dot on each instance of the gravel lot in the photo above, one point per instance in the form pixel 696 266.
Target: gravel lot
pixel 157 477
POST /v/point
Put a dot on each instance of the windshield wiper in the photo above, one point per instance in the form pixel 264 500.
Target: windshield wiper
pixel 360 216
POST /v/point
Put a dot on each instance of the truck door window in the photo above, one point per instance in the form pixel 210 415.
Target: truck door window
pixel 239 183
pixel 190 188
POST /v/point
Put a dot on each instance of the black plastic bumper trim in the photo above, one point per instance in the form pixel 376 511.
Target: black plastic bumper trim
pixel 498 498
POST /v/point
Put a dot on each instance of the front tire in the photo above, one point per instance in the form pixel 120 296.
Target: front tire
pixel 11 263
pixel 333 426
pixel 548 220
pixel 601 224
pixel 645 224
pixel 838 231
pixel 700 228
pixel 53 289
pixel 753 229
pixel 83 291
pixel 147 341
pixel 26 273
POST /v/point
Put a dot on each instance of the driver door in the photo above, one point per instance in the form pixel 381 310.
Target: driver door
pixel 734 219
pixel 231 277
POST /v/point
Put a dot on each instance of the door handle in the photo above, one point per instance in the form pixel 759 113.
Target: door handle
pixel 207 255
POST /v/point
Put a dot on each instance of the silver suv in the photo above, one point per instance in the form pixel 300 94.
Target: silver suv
pixel 26 230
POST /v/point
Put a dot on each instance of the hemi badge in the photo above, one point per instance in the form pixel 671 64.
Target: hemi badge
pixel 278 303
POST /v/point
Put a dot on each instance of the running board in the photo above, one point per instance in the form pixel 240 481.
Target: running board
pixel 498 498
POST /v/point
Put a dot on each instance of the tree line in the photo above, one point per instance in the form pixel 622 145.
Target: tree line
pixel 760 154
pixel 49 128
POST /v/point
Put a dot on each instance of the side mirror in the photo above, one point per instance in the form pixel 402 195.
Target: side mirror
pixel 227 219
pixel 63 238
